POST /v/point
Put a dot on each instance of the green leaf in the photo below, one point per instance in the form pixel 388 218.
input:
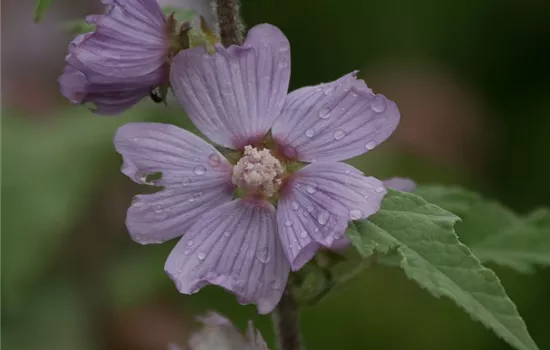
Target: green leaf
pixel 494 232
pixel 77 26
pixel 41 7
pixel 51 174
pixel 423 237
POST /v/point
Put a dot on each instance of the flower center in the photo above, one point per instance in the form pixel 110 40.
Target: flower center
pixel 258 172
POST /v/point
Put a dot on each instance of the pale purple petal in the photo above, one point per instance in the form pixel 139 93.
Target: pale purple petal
pixel 235 246
pixel 334 121
pixel 195 175
pixel 234 96
pixel 317 205
pixel 400 184
pixel 121 61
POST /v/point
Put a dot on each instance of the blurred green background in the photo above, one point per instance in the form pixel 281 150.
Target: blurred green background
pixel 472 81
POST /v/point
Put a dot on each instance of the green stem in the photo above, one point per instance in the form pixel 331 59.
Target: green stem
pixel 287 325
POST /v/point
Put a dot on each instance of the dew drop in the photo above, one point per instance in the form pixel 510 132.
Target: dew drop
pixel 158 208
pixel 380 189
pixel 136 202
pixel 323 217
pixel 190 243
pixel 283 63
pixel 186 251
pixel 354 95
pixel 226 233
pixel 328 91
pixel 310 132
pixel 378 104
pixel 294 205
pixel 199 170
pixel 324 113
pixel 310 209
pixel 284 47
pixel 311 189
pixel 201 256
pixel 263 255
pixel 355 214
pixel 290 152
pixel 370 145
pixel 288 223
pixel 339 134
pixel 186 181
pixel 214 159
pixel 303 234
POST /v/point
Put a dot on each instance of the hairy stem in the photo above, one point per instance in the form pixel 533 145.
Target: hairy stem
pixel 286 322
pixel 231 28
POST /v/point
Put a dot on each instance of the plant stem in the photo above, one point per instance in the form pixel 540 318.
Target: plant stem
pixel 286 322
pixel 231 28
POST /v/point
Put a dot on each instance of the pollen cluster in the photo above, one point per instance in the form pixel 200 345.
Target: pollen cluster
pixel 258 172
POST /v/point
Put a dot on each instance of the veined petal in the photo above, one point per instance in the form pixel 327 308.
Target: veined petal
pixel 234 246
pixel 400 184
pixel 334 121
pixel 122 60
pixel 129 40
pixel 234 96
pixel 195 175
pixel 317 204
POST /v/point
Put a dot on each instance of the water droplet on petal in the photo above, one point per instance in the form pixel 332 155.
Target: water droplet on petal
pixel 310 132
pixel 324 113
pixel 136 202
pixel 186 251
pixel 226 233
pixel 355 214
pixel 186 180
pixel 310 209
pixel 378 104
pixel 354 95
pixel 288 223
pixel 201 256
pixel 328 91
pixel 380 189
pixel 199 170
pixel 303 234
pixel 283 63
pixel 323 217
pixel 311 189
pixel 214 159
pixel 190 243
pixel 158 208
pixel 370 145
pixel 290 152
pixel 339 134
pixel 263 255
pixel 294 205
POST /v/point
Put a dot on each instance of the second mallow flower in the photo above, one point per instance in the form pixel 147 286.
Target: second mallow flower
pixel 285 209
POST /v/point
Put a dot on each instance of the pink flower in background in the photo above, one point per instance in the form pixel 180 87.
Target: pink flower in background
pixel 122 60
pixel 234 97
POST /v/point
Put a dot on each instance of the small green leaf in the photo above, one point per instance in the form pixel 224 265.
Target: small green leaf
pixel 77 26
pixel 422 235
pixel 41 7
pixel 494 232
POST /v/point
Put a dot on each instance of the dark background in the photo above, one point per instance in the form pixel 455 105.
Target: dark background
pixel 471 78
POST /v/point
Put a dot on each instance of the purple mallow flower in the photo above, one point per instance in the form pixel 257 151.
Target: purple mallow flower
pixel 122 60
pixel 234 97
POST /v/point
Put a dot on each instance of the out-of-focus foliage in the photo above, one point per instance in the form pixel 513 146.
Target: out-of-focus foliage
pixel 41 7
pixel 422 235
